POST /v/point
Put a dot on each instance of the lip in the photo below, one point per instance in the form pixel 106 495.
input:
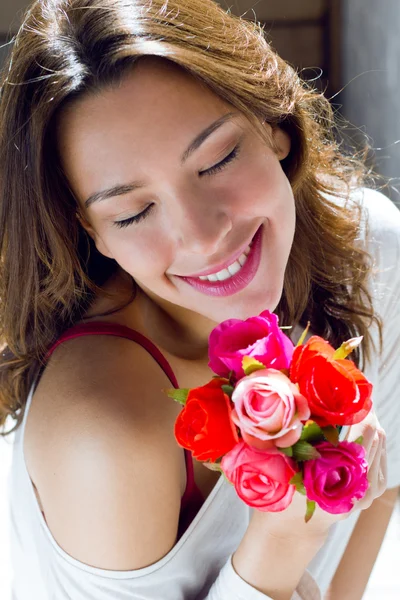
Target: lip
pixel 221 265
pixel 239 281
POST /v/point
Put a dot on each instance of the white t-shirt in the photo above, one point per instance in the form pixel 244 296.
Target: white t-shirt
pixel 199 566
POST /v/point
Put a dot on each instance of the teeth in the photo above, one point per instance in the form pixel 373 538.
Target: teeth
pixel 235 268
pixel 229 271
pixel 224 274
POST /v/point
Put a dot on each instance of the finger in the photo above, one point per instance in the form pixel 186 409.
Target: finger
pixel 366 501
pixel 377 470
pixel 382 475
pixel 384 459
pixel 374 458
pixel 374 447
pixel 376 486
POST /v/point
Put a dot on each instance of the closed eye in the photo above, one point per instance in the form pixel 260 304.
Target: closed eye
pixel 134 219
pixel 215 169
pixel 222 164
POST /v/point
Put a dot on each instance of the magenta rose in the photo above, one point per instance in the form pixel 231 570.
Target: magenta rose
pixel 338 478
pixel 257 337
pixel 269 409
pixel 261 478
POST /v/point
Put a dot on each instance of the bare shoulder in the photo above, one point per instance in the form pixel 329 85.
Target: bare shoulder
pixel 100 449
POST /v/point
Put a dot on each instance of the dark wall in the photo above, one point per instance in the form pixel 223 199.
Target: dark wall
pixel 4 49
pixel 10 19
pixel 371 74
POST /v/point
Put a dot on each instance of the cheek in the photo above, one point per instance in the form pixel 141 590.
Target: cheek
pixel 144 255
pixel 284 208
pixel 279 199
pixel 272 197
pixel 262 186
pixel 251 185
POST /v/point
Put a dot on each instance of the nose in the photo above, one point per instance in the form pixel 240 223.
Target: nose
pixel 201 225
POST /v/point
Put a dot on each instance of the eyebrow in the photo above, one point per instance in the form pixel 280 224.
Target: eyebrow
pixel 119 190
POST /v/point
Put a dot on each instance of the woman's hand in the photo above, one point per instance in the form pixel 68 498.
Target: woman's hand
pixel 290 523
pixel 375 444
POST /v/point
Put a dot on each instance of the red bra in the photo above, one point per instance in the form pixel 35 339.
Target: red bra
pixel 192 498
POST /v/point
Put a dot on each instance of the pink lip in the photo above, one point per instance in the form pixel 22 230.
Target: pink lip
pixel 239 281
pixel 220 266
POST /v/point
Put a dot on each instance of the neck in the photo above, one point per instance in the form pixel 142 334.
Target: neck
pixel 182 332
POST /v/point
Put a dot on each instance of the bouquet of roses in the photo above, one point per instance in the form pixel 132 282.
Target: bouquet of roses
pixel 270 418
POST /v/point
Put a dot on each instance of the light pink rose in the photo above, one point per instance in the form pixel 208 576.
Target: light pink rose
pixel 338 478
pixel 261 478
pixel 269 409
pixel 258 337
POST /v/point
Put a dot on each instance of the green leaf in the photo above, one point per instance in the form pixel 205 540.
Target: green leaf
pixel 347 347
pixel 359 440
pixel 304 451
pixel 297 478
pixel 179 395
pixel 213 466
pixel 288 451
pixel 297 481
pixel 331 434
pixel 301 489
pixel 310 510
pixel 303 335
pixel 249 365
pixel 228 389
pixel 312 433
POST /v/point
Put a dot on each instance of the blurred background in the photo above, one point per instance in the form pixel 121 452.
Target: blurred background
pixel 350 49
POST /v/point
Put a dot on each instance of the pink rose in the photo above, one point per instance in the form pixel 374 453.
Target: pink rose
pixel 338 478
pixel 261 478
pixel 258 337
pixel 269 409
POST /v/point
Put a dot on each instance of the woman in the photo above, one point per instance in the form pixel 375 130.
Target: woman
pixel 145 147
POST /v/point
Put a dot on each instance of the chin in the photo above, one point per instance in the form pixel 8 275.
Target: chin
pixel 246 307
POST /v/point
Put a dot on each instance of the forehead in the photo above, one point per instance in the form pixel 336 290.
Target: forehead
pixel 154 96
pixel 134 126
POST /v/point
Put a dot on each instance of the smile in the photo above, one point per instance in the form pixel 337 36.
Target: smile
pixel 231 270
pixel 235 277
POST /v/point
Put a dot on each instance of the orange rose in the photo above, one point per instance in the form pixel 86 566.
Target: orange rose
pixel 337 392
pixel 204 425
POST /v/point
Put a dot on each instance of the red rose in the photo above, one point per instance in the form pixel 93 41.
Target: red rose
pixel 337 392
pixel 204 426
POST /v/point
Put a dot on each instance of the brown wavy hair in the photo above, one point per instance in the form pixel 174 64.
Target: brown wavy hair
pixel 50 270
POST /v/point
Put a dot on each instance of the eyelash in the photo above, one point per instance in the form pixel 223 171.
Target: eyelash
pixel 211 171
pixel 222 164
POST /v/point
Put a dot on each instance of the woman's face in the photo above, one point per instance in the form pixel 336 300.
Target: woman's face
pixel 125 153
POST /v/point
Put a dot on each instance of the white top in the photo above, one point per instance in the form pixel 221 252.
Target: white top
pixel 199 566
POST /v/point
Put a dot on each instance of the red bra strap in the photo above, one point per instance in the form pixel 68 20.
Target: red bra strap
pixel 106 328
